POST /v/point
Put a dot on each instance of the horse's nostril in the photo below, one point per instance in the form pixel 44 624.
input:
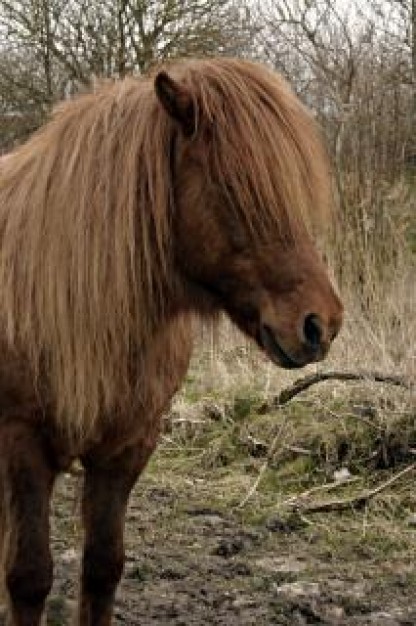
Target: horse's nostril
pixel 312 330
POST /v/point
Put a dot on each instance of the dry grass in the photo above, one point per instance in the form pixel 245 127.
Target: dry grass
pixel 264 462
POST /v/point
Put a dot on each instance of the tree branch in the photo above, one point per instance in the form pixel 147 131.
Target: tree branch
pixel 308 381
pixel 358 500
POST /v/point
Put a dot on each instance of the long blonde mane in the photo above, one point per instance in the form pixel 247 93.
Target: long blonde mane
pixel 85 219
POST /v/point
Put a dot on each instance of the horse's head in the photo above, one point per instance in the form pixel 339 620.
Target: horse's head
pixel 237 244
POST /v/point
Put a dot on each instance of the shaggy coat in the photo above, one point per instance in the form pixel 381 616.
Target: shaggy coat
pixel 86 249
pixel 138 208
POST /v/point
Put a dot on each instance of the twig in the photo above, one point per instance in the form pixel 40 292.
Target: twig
pixel 307 381
pixel 298 450
pixel 186 420
pixel 294 501
pixel 360 418
pixel 359 500
pixel 254 486
pixel 264 467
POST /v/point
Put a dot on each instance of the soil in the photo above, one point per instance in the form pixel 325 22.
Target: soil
pixel 191 564
pixel 211 540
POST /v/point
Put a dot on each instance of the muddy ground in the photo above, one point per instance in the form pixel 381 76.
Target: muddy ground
pixel 190 564
pixel 208 540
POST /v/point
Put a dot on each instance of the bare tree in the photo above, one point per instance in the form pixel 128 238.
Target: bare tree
pixel 353 64
pixel 51 48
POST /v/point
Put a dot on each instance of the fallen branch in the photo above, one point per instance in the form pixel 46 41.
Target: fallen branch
pixel 307 381
pixel 265 465
pixel 358 500
pixel 296 501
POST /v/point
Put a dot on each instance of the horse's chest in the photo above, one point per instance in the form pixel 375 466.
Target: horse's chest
pixel 165 366
pixel 158 378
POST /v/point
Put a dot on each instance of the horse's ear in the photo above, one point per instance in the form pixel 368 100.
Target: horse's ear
pixel 177 101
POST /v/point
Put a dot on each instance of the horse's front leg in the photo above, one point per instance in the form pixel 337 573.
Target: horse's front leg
pixel 26 476
pixel 106 491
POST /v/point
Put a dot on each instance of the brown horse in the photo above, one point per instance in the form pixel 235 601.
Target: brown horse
pixel 135 209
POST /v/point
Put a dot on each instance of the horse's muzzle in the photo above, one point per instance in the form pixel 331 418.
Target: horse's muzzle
pixel 273 349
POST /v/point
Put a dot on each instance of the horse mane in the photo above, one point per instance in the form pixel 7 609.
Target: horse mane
pixel 261 133
pixel 85 219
